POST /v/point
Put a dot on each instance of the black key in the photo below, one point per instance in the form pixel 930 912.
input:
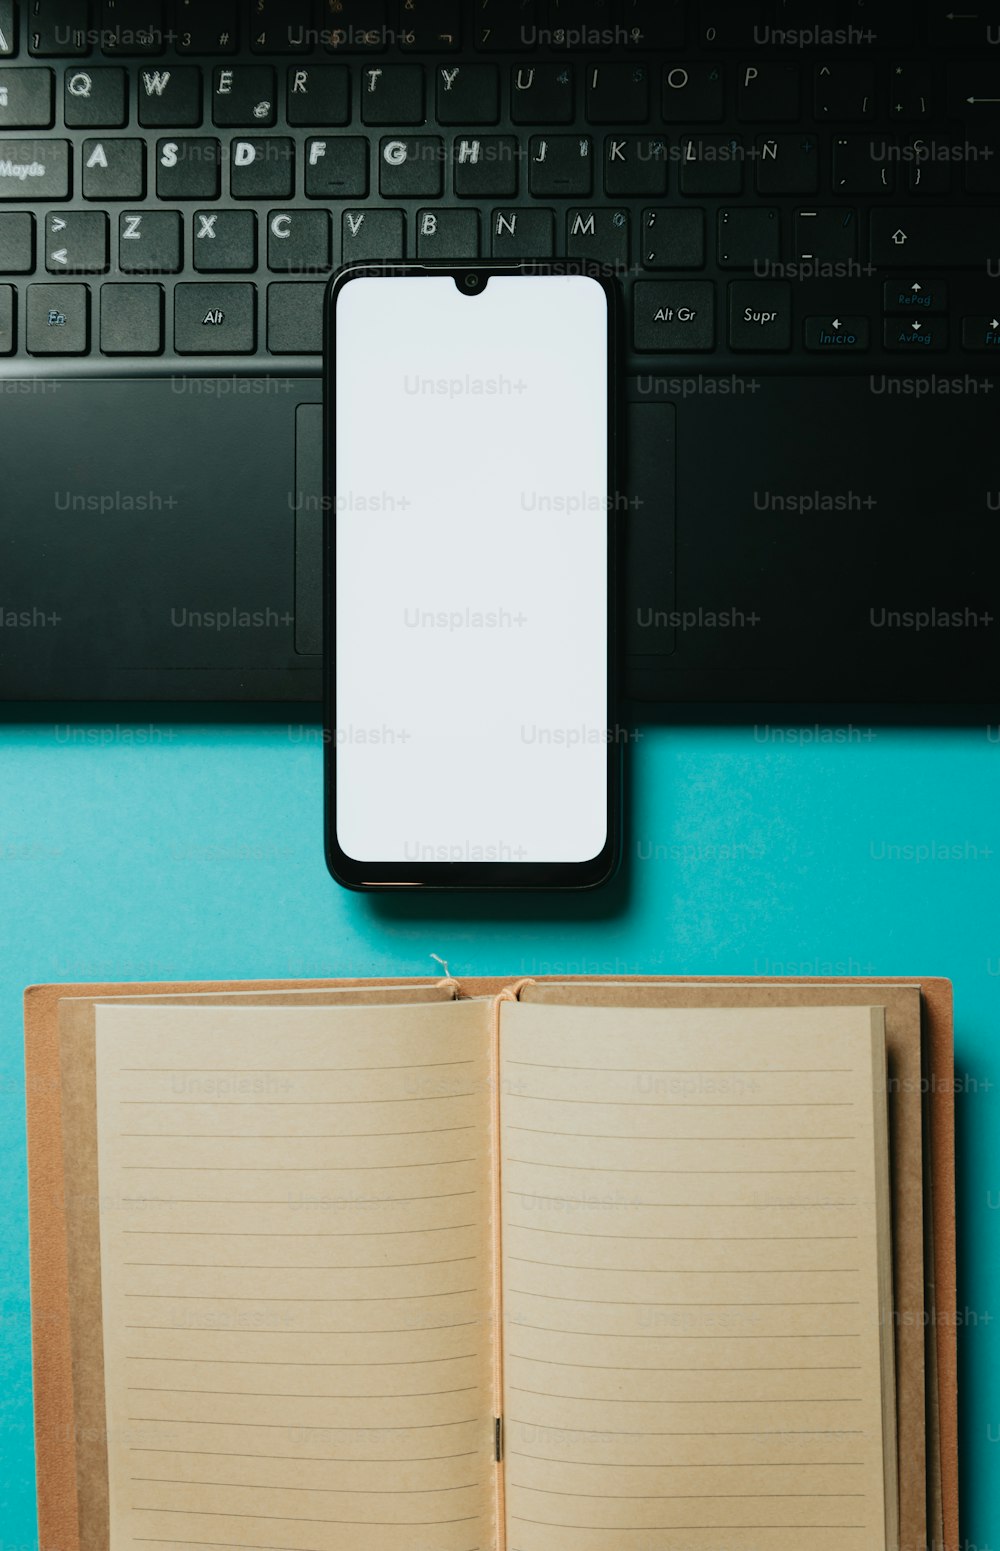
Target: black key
pixel 712 164
pixel 295 318
pixel 916 237
pixel 787 164
pixel 883 23
pixel 653 24
pixel 263 169
pixel 617 93
pixel 131 319
pixel 845 91
pixel 356 27
pixel 215 318
pixel 393 94
pixel 243 95
pixel 207 26
pixel 981 333
pixel 539 94
pixel 34 169
pixel 635 165
pixel 749 236
pixel 225 241
pixel 58 319
pixel 928 166
pixel 859 167
pixel 298 240
pixel 337 168
pixel 575 24
pixel 17 242
pixel 114 169
pixel 280 26
pixel 149 241
pixel 7 330
pixel 57 27
pixel 950 28
pixel 692 93
pixel 169 98
pixel 982 170
pixel 8 29
pixel 26 98
pixel 915 336
pixel 836 336
pixel 508 25
pixel 486 167
pixel 132 27
pixel 673 239
pixel 910 90
pixel 448 234
pixel 730 24
pixel 95 98
pixel 915 296
pixel 372 234
pixel 411 169
pixel 760 315
pixel 769 93
pixel 598 237
pixel 188 168
pixel 431 26
pixel 826 236
pixel 974 90
pixel 468 94
pixel 674 315
pixel 522 234
pixel 76 241
pixel 560 165
pixel 319 94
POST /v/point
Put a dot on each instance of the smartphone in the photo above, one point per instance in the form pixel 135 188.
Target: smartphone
pixel 470 478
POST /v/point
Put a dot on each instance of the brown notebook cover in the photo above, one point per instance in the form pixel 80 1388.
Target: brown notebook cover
pixel 63 1436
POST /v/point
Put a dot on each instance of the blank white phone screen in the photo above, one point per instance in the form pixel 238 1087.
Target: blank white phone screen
pixel 471 512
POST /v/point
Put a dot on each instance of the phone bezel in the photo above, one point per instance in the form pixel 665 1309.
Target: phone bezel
pixel 347 870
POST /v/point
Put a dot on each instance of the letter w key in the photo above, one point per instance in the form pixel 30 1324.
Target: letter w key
pixel 170 98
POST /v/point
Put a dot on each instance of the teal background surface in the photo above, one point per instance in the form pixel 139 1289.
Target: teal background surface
pixel 181 850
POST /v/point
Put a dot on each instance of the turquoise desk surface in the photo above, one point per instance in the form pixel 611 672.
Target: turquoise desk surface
pixel 173 850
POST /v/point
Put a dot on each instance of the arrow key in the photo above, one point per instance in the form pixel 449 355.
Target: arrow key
pixel 915 297
pixel 76 242
pixel 981 333
pixel 837 336
pixel 916 335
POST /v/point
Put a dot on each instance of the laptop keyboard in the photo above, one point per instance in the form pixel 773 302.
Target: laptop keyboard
pixel 774 184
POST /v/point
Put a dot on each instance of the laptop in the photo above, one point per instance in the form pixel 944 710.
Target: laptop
pixel 802 202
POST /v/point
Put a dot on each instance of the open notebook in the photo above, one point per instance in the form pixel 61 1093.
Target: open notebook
pixel 584 1267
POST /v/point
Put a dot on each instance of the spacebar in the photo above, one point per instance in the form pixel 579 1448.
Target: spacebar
pixel 942 239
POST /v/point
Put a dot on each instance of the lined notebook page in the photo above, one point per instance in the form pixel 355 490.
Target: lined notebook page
pixel 297 1283
pixel 693 1280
